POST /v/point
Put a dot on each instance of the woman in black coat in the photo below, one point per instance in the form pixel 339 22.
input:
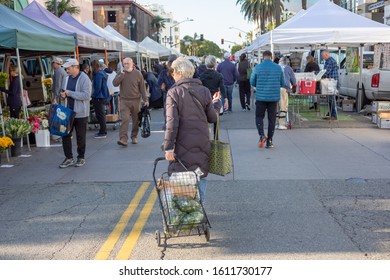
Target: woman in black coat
pixel 14 93
pixel 190 108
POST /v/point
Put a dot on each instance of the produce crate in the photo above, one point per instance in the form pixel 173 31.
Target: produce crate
pixel 347 105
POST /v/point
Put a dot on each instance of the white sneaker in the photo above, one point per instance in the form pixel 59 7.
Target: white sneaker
pixel 282 127
pixel 277 126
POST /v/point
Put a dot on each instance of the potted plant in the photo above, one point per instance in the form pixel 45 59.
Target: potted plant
pixel 5 143
pixel 16 129
pixel 40 128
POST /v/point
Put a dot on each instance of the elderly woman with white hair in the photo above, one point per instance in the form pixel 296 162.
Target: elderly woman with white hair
pixel 189 109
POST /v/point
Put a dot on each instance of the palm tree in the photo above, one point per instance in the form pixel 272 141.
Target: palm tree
pixel 62 7
pixel 261 11
pixel 157 24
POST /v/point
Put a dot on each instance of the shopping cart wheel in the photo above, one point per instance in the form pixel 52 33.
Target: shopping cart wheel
pixel 158 238
pixel 207 233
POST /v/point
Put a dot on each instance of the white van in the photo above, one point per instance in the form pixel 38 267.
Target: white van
pixel 34 70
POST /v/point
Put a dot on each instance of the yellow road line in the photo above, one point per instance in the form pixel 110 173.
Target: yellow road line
pixel 131 240
pixel 113 238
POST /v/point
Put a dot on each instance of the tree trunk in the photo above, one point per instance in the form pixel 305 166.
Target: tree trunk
pixel 277 12
pixel 304 4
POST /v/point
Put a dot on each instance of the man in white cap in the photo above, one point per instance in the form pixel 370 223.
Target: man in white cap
pixel 230 75
pixel 77 89
pixel 59 75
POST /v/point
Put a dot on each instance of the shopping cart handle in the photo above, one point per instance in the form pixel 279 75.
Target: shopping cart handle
pixel 158 159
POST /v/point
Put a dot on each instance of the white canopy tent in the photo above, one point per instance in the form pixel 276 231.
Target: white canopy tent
pixel 156 47
pixel 326 24
pixel 126 47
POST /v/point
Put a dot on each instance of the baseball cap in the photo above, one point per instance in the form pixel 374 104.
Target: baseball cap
pixel 57 60
pixel 226 55
pixel 70 62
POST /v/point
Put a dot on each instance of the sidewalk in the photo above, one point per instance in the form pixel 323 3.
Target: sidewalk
pixel 310 153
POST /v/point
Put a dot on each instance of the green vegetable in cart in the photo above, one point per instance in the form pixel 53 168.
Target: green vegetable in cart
pixel 186 204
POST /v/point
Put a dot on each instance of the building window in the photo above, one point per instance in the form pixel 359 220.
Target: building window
pixel 111 16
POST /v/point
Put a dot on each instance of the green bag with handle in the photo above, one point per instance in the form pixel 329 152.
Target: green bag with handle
pixel 249 72
pixel 220 162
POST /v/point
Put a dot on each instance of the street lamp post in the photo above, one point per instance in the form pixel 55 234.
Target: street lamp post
pixel 131 21
pixel 170 30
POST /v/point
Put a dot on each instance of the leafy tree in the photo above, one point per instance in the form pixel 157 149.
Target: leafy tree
pixel 8 3
pixel 193 46
pixel 236 48
pixel 62 7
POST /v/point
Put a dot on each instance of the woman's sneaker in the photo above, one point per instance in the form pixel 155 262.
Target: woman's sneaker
pixel 67 162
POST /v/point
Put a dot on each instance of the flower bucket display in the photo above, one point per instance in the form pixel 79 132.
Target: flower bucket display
pixel 42 138
pixel 16 150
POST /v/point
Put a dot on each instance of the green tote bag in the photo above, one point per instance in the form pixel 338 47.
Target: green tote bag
pixel 220 162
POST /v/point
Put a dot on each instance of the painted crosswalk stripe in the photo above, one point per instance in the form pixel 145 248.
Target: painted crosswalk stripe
pixel 131 240
pixel 113 238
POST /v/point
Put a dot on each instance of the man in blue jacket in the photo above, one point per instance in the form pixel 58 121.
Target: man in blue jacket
pixel 100 96
pixel 230 74
pixel 268 78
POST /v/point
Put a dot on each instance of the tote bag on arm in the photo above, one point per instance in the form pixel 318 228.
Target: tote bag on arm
pixel 220 162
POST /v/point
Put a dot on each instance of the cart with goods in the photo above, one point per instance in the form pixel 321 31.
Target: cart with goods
pixel 182 211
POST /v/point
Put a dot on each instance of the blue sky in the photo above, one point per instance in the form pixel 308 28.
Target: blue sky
pixel 212 18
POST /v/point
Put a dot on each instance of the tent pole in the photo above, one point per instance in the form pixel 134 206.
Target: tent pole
pixel 272 44
pixel 106 57
pixel 25 112
pixel 3 128
pixel 359 95
pixel 77 54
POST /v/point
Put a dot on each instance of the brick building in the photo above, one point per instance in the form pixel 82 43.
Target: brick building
pixel 126 16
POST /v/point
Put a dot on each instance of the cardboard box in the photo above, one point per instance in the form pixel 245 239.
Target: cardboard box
pixel 374 118
pixel 347 105
pixel 383 120
pixel 112 118
pixel 378 106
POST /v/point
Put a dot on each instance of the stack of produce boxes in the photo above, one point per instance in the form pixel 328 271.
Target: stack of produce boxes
pixel 381 113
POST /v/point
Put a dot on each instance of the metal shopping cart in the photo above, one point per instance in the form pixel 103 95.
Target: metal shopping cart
pixel 182 211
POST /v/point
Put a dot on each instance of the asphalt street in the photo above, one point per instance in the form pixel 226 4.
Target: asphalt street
pixel 320 193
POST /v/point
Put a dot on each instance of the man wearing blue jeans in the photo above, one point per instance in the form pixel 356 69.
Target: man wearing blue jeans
pixel 230 75
pixel 268 78
pixel 332 72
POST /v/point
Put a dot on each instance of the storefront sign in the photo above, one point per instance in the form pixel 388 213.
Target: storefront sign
pixel 376 5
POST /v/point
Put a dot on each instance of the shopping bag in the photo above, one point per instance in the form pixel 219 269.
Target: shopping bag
pixel 26 100
pixel 248 73
pixel 329 86
pixel 220 162
pixel 60 120
pixel 144 122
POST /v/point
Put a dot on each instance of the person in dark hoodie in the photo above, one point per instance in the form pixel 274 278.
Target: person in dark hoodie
pixel 14 100
pixel 156 98
pixel 100 96
pixel 211 78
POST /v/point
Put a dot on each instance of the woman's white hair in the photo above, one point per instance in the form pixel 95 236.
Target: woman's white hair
pixel 183 67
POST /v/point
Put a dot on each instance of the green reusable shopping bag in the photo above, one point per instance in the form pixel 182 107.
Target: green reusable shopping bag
pixel 220 161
